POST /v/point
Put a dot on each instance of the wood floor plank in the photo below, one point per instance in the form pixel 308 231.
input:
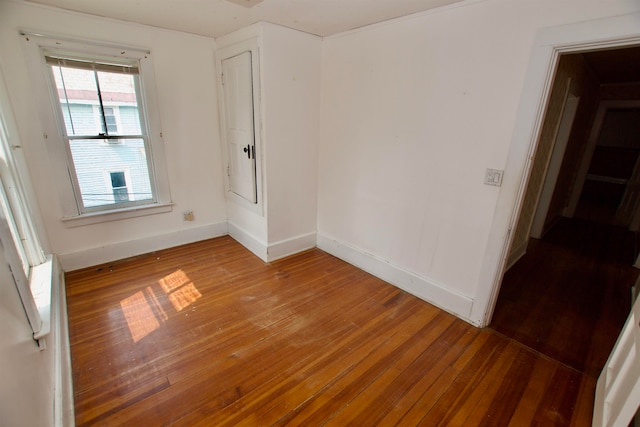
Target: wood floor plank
pixel 207 334
pixel 355 358
pixel 339 359
pixel 542 371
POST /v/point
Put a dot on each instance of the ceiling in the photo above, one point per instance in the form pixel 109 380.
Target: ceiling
pixel 215 18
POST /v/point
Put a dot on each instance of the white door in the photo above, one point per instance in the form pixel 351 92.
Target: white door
pixel 237 80
pixel 618 387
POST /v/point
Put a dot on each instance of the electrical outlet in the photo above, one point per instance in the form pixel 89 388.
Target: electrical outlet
pixel 493 177
pixel 188 216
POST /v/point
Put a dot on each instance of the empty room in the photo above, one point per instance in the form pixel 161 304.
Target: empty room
pixel 316 212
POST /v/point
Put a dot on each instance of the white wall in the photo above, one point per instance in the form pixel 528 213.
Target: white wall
pixel 26 395
pixel 413 112
pixel 291 89
pixel 34 390
pixel 186 92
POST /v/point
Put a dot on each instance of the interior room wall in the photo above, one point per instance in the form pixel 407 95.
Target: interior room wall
pixel 413 113
pixel 291 86
pixel 27 390
pixel 186 92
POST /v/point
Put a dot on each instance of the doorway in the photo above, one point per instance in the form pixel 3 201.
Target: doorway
pixel 566 292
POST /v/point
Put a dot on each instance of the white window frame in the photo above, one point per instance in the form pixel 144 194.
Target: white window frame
pixel 72 213
pixel 30 267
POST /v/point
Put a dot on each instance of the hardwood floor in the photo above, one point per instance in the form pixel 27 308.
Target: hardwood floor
pixel 570 295
pixel 207 334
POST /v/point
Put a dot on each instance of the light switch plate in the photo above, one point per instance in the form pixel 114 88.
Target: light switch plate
pixel 493 177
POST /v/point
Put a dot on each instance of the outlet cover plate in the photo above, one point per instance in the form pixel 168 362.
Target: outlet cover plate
pixel 493 177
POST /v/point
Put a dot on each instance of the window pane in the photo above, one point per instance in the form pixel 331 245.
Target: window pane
pixel 119 90
pixel 77 92
pixel 81 107
pixel 94 158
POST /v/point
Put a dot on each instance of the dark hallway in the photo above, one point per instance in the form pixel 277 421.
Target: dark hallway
pixel 569 294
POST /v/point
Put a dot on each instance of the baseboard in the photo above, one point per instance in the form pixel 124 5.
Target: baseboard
pixel 63 412
pixel 516 253
pixel 291 246
pixel 276 250
pixel 421 287
pixel 249 241
pixel 99 255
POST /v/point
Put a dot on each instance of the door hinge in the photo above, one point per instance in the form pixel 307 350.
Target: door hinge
pixel 228 171
pixel 222 79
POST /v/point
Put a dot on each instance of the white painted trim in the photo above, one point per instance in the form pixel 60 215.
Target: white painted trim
pixel 115 251
pixel 116 214
pixel 41 283
pixel 617 397
pixel 424 288
pixel 63 410
pixel 291 246
pixel 610 32
pixel 249 241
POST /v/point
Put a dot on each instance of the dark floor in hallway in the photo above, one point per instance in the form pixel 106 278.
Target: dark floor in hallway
pixel 569 296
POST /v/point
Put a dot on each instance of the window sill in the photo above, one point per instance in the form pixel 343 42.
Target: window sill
pixel 115 215
pixel 41 283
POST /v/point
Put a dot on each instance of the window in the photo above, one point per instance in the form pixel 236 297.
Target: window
pixel 119 187
pixel 18 237
pixel 110 120
pixel 14 207
pixel 104 118
pixel 83 88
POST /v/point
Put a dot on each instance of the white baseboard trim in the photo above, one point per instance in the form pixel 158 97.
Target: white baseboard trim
pixel 112 252
pixel 249 241
pixel 63 410
pixel 421 287
pixel 516 253
pixel 291 246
